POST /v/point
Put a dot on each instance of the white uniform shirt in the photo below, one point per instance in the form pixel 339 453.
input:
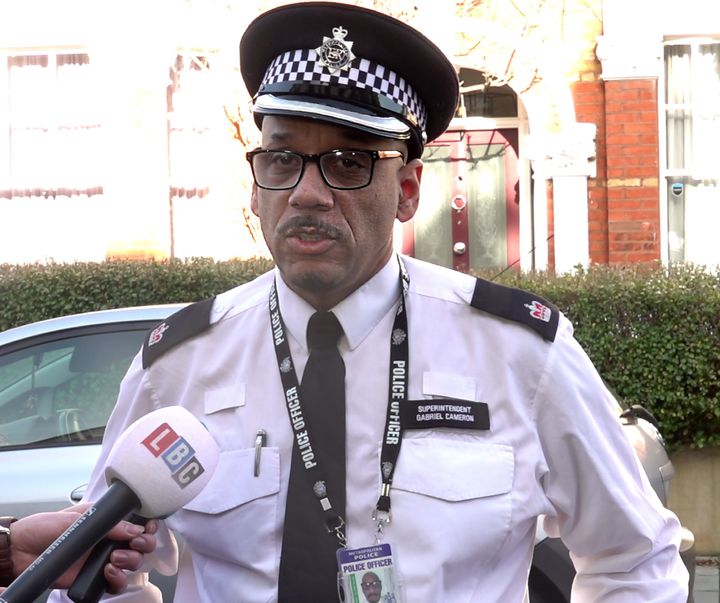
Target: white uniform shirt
pixel 464 502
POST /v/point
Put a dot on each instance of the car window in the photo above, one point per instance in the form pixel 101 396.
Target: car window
pixel 62 391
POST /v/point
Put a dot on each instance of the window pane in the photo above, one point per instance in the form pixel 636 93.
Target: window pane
pixel 481 99
pixel 678 99
pixel 192 105
pixel 693 128
pixel 706 109
pixel 63 391
pixel 54 144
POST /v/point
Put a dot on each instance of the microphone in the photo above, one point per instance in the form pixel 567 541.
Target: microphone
pixel 90 583
pixel 158 465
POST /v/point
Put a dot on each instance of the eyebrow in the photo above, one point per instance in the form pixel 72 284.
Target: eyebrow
pixel 280 137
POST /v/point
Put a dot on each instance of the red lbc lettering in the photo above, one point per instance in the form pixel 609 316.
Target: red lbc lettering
pixel 160 439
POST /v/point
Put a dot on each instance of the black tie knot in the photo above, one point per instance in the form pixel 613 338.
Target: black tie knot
pixel 324 330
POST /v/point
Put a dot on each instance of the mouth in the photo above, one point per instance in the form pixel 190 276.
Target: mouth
pixel 310 235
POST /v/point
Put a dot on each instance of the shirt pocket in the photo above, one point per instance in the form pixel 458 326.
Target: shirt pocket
pixel 236 507
pixel 454 470
pixel 449 385
pixel 464 484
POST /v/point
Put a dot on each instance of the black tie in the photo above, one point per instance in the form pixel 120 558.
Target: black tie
pixel 308 566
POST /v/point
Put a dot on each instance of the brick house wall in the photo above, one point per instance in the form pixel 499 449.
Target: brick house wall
pixel 589 100
pixel 623 200
pixel 631 118
pixel 623 197
pixel 550 56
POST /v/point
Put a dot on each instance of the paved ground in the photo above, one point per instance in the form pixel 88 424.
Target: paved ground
pixel 707 580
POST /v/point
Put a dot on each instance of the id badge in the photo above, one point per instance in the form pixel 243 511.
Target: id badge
pixel 368 575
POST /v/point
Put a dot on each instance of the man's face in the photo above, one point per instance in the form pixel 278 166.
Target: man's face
pixel 371 587
pixel 328 242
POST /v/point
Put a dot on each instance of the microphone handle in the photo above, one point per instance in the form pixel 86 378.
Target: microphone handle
pixel 90 583
pixel 72 544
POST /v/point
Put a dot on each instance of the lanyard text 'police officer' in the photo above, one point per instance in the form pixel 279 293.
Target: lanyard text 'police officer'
pixel 392 436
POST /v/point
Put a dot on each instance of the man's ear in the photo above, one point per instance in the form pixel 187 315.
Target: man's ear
pixel 254 201
pixel 410 176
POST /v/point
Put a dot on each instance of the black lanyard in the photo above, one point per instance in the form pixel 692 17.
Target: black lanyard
pixel 392 438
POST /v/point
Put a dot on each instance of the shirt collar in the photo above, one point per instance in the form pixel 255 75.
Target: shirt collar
pixel 359 313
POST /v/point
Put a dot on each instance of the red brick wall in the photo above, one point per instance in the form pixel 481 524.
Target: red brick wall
pixel 631 147
pixel 589 99
pixel 623 200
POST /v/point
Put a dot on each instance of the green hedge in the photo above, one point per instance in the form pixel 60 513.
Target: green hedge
pixel 39 291
pixel 654 335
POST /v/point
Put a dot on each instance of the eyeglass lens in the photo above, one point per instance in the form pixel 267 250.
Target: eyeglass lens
pixel 341 169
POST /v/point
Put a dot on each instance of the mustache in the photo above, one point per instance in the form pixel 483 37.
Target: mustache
pixel 302 224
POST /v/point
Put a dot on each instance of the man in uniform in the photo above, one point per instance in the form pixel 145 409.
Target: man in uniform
pixel 465 410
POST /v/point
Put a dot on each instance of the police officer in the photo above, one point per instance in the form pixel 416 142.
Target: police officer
pixel 467 409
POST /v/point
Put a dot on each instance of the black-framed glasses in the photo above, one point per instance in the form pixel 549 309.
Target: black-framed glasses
pixel 344 169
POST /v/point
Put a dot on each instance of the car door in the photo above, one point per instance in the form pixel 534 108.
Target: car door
pixel 56 393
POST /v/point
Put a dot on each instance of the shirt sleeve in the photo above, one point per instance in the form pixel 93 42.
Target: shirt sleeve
pixel 623 542
pixel 134 401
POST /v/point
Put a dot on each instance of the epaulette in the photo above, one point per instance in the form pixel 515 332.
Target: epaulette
pixel 176 328
pixel 518 305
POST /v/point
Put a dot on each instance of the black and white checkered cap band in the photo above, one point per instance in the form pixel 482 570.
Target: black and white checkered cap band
pixel 305 66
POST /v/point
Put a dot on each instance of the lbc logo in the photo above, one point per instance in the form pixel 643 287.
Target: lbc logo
pixel 178 455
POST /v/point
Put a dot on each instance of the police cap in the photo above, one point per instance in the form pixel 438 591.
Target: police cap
pixel 352 66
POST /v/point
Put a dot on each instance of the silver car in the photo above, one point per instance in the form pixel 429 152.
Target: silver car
pixel 59 380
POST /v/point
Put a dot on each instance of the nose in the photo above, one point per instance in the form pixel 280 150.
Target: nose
pixel 311 191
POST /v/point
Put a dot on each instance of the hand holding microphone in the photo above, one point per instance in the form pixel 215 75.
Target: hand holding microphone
pixel 31 535
pixel 158 465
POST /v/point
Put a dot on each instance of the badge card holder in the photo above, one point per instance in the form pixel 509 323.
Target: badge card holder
pixel 367 575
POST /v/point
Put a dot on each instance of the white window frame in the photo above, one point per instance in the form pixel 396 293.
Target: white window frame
pixel 665 172
pixel 88 184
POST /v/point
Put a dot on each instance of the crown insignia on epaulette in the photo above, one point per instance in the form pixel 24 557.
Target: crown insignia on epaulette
pixel 336 52
pixel 539 311
pixel 157 334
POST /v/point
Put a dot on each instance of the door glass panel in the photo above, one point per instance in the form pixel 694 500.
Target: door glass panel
pixel 63 391
pixel 487 212
pixel 432 222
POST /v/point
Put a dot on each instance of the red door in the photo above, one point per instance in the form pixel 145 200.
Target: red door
pixel 468 214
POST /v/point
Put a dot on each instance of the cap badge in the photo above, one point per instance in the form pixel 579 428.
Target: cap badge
pixel 336 52
pixel 539 311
